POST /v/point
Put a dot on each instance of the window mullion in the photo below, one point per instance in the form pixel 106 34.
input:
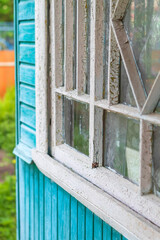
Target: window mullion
pixel 41 55
pixel 113 69
pixel 145 157
pixel 68 44
pixel 96 80
pixel 56 49
pixel 81 46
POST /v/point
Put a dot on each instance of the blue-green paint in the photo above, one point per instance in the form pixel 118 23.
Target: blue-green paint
pixel 44 210
pixel 27 115
pixel 27 95
pixel 26 10
pixel 27 32
pixel 27 74
pixel 27 53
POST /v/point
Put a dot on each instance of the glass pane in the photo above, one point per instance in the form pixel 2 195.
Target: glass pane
pixel 76 125
pixel 156 160
pixel 157 110
pixel 126 95
pixel 142 23
pixel 121 145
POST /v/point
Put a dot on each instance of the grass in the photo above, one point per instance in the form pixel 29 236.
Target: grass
pixel 7 187
pixel 8 209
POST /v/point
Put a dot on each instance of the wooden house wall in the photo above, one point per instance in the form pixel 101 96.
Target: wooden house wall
pixel 44 210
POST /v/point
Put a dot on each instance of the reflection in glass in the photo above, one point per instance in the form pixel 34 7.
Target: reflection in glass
pixel 156 160
pixel 142 23
pixel 121 145
pixel 126 95
pixel 76 125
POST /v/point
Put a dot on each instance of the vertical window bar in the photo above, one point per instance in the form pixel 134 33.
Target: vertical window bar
pixel 41 56
pixel 146 157
pixel 56 49
pixel 58 120
pixel 82 51
pixel 68 44
pixel 99 48
pixel 96 76
pixel 57 42
pixel 113 68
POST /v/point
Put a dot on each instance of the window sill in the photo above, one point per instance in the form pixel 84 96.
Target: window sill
pixel 92 187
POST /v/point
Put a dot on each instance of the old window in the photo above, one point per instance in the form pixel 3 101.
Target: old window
pixel 98 105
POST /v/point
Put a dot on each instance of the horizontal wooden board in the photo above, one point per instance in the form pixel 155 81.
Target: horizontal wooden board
pixel 26 10
pixel 27 31
pixel 27 74
pixel 24 152
pixel 27 115
pixel 28 136
pixel 27 53
pixel 27 95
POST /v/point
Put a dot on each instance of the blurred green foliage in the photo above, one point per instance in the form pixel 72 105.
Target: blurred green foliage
pixel 6 10
pixel 8 209
pixel 7 122
pixel 81 142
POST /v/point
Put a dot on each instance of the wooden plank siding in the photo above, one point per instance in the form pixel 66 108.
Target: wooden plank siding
pixel 44 210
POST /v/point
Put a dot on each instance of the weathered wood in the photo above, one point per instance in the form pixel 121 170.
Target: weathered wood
pixel 28 115
pixel 92 76
pixel 47 210
pixel 74 185
pixel 56 42
pixel 27 53
pixel 145 157
pixel 153 97
pixel 56 73
pixel 99 48
pixel 128 111
pixel 27 95
pixel 68 45
pixel 27 74
pixel 98 137
pixel 89 224
pixel 24 152
pixel 120 9
pixel 58 121
pixel 27 32
pixel 73 95
pixel 113 70
pixel 129 63
pixel 28 136
pixel 98 223
pixel 41 36
pixel 81 45
pixel 113 66
pixel 26 10
pixel 96 76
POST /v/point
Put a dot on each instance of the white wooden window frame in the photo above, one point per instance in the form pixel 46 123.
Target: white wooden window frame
pixel 116 200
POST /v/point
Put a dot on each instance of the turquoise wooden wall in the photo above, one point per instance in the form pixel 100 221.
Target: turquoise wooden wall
pixel 44 210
